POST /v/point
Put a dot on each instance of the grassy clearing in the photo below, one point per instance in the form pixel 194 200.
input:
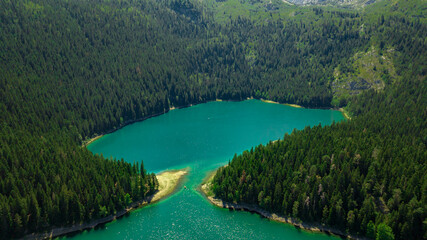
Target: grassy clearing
pixel 370 69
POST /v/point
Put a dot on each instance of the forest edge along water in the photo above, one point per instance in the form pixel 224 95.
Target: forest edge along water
pixel 211 111
pixel 87 142
pixel 168 182
pixel 205 189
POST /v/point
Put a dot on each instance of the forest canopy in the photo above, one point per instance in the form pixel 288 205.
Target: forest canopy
pixel 70 70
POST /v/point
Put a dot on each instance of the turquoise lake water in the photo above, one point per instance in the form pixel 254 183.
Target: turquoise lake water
pixel 202 137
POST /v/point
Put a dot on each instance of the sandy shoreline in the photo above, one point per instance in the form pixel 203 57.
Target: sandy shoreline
pixel 91 140
pixel 286 104
pixel 168 182
pixel 344 113
pixel 205 189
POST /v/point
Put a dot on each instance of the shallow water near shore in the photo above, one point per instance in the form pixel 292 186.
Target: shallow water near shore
pixel 202 137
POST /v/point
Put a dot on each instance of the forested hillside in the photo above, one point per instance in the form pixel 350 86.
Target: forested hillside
pixel 72 69
pixel 365 176
pixel 352 176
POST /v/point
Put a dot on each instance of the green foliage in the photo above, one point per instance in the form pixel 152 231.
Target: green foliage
pixel 352 174
pixel 368 70
pixel 103 211
pixel 347 175
pixel 384 232
pixel 370 230
pixel 70 70
pixel 128 200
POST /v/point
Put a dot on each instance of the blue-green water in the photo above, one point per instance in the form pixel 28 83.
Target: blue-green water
pixel 202 137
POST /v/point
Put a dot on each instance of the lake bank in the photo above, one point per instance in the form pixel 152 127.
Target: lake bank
pixel 87 142
pixel 168 183
pixel 286 104
pixel 205 189
pixel 344 113
pixel 202 137
pixel 91 140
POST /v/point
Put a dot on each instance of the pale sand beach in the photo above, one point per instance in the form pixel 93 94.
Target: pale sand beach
pixel 168 182
pixel 344 113
pixel 85 144
pixel 286 104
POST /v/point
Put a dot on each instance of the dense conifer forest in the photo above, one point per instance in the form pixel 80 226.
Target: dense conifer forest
pixel 366 176
pixel 72 69
pixel 354 176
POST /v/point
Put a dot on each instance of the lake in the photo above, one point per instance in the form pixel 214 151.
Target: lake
pixel 203 138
